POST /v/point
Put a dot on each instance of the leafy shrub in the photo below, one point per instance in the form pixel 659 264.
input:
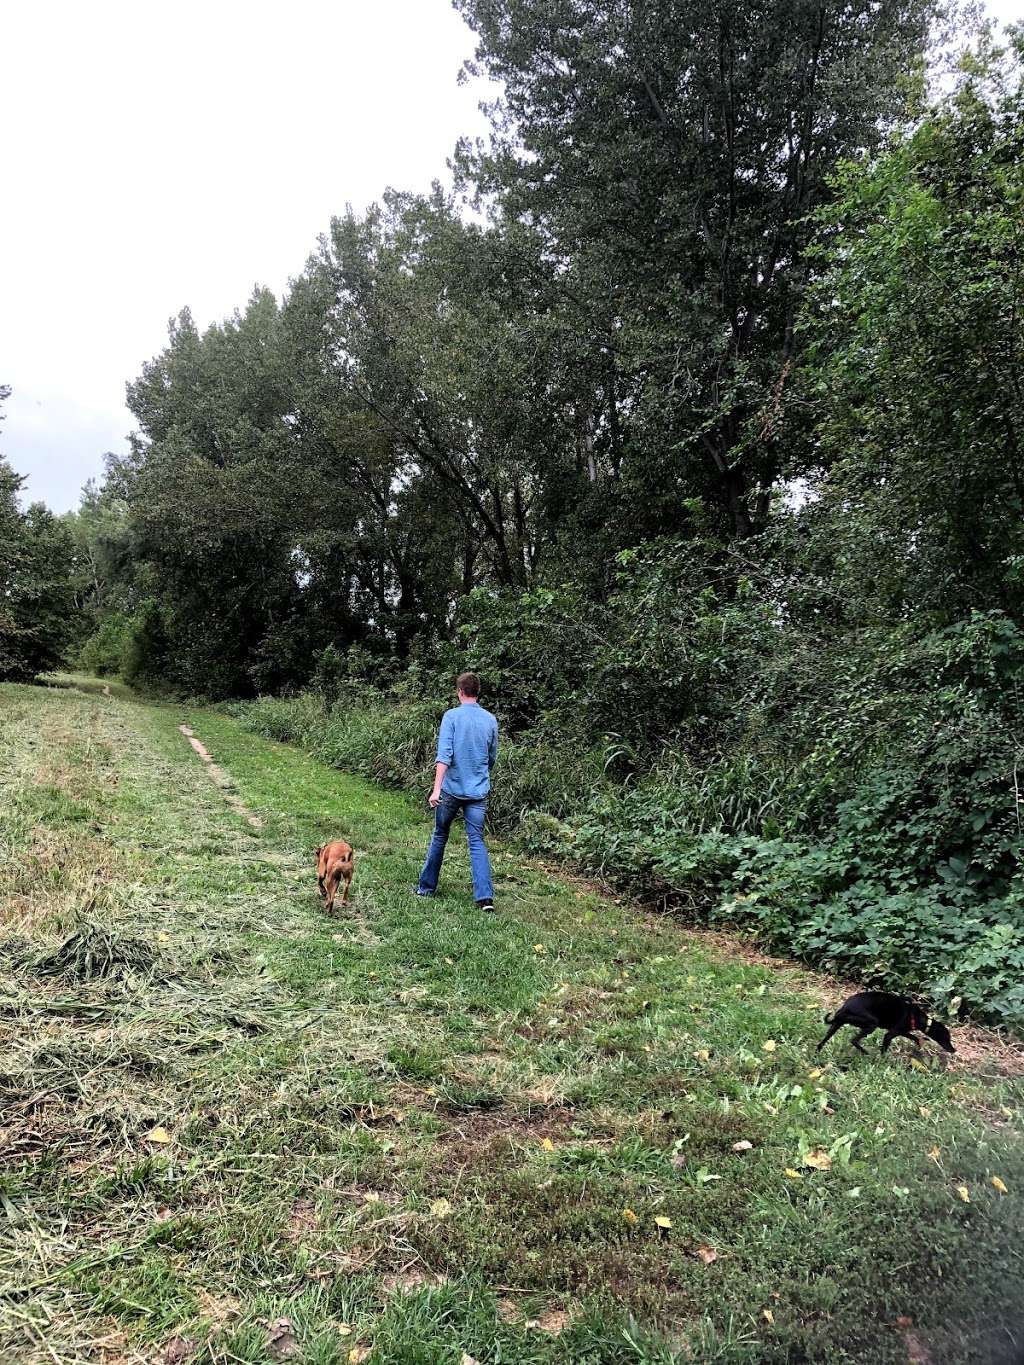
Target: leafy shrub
pixel 105 651
pixel 147 652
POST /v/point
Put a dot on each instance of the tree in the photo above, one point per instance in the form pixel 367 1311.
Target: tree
pixel 915 369
pixel 433 326
pixel 38 612
pixel 668 155
pixel 211 500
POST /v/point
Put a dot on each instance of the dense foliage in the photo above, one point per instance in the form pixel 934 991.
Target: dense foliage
pixel 39 605
pixel 701 440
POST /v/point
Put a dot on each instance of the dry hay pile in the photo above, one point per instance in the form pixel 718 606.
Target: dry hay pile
pixel 93 953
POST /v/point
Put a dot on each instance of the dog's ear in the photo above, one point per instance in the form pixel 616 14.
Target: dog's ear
pixel 319 851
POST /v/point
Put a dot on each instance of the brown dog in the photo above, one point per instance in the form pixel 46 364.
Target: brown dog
pixel 334 866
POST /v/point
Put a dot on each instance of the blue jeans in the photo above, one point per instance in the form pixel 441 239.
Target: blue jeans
pixel 444 813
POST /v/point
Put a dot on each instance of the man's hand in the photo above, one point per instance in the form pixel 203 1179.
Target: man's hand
pixel 434 800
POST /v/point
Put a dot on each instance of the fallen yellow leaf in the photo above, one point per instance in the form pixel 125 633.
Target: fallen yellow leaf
pixel 815 1072
pixel 163 938
pixel 440 1208
pixel 769 1046
pixel 924 1111
pixel 706 1254
pixel 548 1145
pixel 702 1054
pixel 933 1155
pixel 918 1066
pixel 768 1316
pixel 630 1216
pixel 742 1146
pixel 358 1354
pixel 963 1193
pixel 344 1330
pixel 818 1160
pixel 663 1222
pixel 998 1184
pixel 538 948
pixel 158 1134
pixel 793 1175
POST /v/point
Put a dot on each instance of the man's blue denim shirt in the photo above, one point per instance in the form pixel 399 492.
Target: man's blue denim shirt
pixel 468 743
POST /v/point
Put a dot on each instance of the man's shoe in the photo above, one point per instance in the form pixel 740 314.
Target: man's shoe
pixel 418 892
pixel 485 905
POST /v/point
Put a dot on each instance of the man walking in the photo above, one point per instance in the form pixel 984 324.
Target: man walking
pixel 467 746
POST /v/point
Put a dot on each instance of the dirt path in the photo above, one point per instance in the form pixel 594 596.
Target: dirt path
pixel 221 778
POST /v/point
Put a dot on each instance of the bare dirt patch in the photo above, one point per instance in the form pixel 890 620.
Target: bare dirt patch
pixel 917 1352
pixel 302 1220
pixel 492 1138
pixel 222 779
pixel 554 1321
pixel 985 1052
pixel 408 1280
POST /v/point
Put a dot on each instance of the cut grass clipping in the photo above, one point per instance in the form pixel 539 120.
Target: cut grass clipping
pixel 236 1130
pixel 92 953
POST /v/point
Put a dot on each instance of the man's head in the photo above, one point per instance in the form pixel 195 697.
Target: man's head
pixel 468 686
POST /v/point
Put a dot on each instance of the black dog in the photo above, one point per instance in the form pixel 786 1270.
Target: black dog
pixel 900 1018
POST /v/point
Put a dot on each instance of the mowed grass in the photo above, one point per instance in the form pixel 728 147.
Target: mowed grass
pixel 235 1130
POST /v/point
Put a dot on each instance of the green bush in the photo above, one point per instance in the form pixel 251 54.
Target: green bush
pixel 105 651
pixel 147 651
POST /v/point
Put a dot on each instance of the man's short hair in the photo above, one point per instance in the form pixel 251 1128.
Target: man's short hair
pixel 468 684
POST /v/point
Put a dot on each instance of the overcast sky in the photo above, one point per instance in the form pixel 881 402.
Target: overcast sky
pixel 162 155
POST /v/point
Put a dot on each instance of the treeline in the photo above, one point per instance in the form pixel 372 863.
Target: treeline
pixel 602 357
pixel 40 617
pixel 699 438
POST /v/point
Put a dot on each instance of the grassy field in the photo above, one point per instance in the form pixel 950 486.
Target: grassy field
pixel 233 1130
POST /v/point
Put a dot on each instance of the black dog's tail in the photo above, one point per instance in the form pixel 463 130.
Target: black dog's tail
pixel 829 1018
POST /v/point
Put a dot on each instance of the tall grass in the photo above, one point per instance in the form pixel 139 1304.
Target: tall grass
pixel 394 743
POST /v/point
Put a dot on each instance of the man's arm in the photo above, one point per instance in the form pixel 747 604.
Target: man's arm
pixel 492 748
pixel 445 754
pixel 435 796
